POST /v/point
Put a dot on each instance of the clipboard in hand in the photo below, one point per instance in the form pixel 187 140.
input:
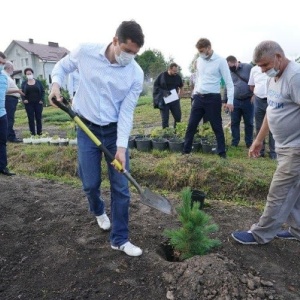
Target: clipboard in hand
pixel 172 97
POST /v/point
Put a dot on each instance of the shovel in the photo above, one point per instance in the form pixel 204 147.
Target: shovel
pixel 147 197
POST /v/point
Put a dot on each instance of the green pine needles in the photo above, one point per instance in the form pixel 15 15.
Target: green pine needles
pixel 192 237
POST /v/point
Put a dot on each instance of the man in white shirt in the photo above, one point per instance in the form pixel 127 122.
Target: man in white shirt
pixel 207 97
pixel 258 84
pixel 110 84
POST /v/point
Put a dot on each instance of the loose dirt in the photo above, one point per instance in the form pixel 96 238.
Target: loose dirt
pixel 52 248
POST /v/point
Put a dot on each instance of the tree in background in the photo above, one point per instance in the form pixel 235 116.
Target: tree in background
pixel 152 62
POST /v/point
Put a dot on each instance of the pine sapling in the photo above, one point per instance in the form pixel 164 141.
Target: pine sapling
pixel 192 237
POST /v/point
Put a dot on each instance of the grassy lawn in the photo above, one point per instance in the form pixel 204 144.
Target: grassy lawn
pixel 238 179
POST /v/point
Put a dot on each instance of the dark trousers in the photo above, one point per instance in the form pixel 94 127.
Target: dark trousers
pixel 3 140
pixel 175 109
pixel 211 106
pixel 260 108
pixel 11 103
pixel 34 114
pixel 242 108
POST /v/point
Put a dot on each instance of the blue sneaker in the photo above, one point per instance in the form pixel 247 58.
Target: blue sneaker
pixel 286 235
pixel 244 237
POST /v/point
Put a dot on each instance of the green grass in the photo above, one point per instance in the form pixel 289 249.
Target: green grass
pixel 238 179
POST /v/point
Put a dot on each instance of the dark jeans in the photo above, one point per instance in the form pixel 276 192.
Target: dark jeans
pixel 90 171
pixel 175 109
pixel 211 106
pixel 3 140
pixel 11 103
pixel 260 108
pixel 242 108
pixel 34 114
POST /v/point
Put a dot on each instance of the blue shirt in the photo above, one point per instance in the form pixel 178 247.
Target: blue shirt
pixel 3 88
pixel 209 74
pixel 106 92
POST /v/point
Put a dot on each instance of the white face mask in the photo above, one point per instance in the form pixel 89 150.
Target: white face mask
pixel 10 73
pixel 124 58
pixel 272 72
pixel 203 55
pixel 29 76
pixel 1 67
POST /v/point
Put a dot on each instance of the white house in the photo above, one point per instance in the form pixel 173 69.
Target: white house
pixel 39 57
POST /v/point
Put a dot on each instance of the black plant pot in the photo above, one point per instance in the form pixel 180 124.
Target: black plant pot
pixel 160 144
pixel 197 146
pixel 143 144
pixel 131 142
pixel 198 196
pixel 176 145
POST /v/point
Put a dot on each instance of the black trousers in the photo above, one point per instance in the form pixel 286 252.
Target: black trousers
pixel 175 109
pixel 211 106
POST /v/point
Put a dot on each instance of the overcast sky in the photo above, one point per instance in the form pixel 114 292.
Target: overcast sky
pixel 234 27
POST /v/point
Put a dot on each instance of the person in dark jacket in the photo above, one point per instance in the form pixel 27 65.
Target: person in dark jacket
pixel 33 101
pixel 242 103
pixel 167 82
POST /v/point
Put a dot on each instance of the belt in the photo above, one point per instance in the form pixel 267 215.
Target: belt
pixel 87 122
pixel 207 95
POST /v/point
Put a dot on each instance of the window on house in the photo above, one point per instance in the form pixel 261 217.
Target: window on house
pixel 25 62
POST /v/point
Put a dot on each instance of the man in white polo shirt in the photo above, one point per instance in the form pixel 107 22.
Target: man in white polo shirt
pixel 258 82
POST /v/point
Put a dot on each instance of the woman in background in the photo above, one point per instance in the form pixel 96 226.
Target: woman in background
pixel 33 101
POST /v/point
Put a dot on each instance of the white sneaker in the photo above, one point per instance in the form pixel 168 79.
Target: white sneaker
pixel 129 249
pixel 103 221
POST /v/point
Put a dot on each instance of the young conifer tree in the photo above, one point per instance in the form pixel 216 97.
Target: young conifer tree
pixel 192 237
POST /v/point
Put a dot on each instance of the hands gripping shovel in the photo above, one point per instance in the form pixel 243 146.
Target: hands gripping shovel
pixel 147 197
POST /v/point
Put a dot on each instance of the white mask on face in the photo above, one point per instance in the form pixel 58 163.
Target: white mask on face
pixel 272 72
pixel 29 76
pixel 124 58
pixel 10 72
pixel 203 55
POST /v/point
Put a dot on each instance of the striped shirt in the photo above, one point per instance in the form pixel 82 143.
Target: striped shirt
pixel 106 92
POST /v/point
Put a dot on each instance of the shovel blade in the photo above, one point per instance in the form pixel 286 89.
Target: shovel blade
pixel 156 201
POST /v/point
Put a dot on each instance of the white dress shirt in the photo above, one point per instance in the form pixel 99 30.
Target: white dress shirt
pixel 209 74
pixel 107 92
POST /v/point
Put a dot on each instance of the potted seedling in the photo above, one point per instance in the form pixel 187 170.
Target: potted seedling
pixel 177 142
pixel 159 142
pixel 143 143
pixel 207 137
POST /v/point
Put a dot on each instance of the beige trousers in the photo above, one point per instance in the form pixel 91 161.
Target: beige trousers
pixel 283 200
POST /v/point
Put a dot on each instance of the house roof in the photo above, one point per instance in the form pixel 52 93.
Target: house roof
pixel 50 52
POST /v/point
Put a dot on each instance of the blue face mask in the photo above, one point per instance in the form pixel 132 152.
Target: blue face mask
pixel 1 68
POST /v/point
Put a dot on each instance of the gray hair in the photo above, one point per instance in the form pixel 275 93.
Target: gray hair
pixel 8 64
pixel 266 48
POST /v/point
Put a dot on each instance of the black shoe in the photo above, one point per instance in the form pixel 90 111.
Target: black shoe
pixel 6 172
pixel 223 155
pixel 273 155
pixel 16 140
